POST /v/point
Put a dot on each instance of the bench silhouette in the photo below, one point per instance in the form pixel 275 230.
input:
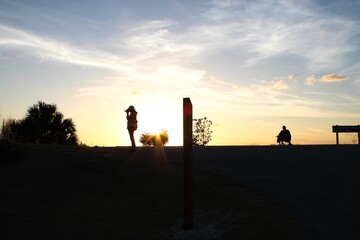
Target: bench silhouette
pixel 345 129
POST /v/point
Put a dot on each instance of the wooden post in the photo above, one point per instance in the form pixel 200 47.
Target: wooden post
pixel 336 130
pixel 188 164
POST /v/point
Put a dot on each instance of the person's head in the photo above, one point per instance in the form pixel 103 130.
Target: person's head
pixel 284 127
pixel 130 109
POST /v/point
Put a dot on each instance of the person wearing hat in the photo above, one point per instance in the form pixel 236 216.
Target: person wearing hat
pixel 131 125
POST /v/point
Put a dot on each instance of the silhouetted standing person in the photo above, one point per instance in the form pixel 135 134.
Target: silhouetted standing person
pixel 131 125
pixel 284 136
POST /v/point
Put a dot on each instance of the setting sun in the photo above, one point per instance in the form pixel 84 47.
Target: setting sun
pixel 156 116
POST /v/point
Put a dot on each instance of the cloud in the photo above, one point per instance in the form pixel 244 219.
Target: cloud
pixel 163 50
pixel 280 85
pixel 333 78
pixel 268 29
pixel 50 49
pixel 293 77
pixel 310 80
pixel 257 29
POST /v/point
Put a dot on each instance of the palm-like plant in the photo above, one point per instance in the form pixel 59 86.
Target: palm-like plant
pixel 44 124
pixel 160 139
pixel 146 139
pixel 164 137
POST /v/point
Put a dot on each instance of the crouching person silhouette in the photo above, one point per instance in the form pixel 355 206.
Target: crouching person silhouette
pixel 131 125
pixel 284 136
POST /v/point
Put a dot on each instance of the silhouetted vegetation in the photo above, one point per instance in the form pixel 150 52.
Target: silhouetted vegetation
pixel 43 124
pixel 354 139
pixel 5 132
pixel 160 139
pixel 202 132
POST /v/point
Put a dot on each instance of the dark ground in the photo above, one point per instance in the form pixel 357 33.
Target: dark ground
pixel 319 184
pixel 260 192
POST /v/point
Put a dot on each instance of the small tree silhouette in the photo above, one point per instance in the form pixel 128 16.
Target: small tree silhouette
pixel 202 132
pixel 44 124
pixel 6 128
pixel 160 139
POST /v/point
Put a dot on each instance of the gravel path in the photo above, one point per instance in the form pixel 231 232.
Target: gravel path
pixel 319 184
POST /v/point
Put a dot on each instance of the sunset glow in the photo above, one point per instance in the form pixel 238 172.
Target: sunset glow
pixel 248 66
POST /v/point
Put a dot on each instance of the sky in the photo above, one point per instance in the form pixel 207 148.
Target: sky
pixel 249 66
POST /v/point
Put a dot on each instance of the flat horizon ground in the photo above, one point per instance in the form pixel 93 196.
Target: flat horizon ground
pixel 64 192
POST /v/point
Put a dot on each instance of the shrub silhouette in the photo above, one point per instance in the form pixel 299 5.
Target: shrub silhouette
pixel 160 139
pixel 5 132
pixel 146 139
pixel 202 132
pixel 44 124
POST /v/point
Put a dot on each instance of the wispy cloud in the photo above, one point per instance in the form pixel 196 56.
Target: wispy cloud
pixel 280 85
pixel 293 77
pixel 258 29
pixel 310 80
pixel 163 51
pixel 50 49
pixel 333 78
pixel 267 29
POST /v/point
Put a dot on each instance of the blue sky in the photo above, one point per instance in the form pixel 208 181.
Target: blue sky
pixel 249 66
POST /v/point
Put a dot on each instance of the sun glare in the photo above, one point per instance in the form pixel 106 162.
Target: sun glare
pixel 154 119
